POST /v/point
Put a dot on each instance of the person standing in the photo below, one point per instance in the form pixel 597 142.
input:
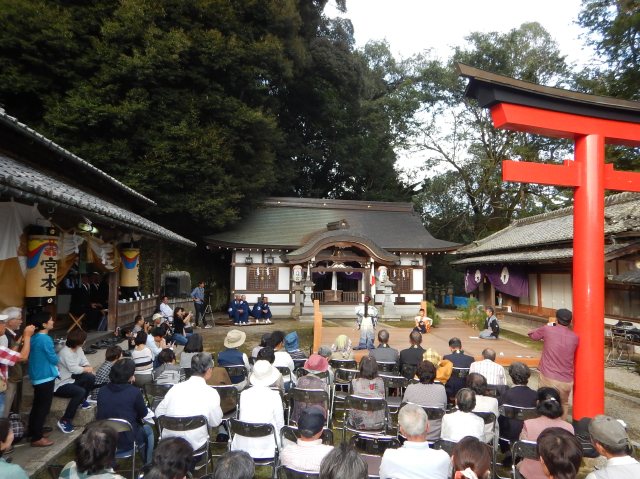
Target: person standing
pixel 558 355
pixel 198 302
pixel 43 372
pixel 367 319
pixel 491 326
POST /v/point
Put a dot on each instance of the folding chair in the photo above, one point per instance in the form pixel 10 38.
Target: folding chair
pixel 187 373
pixel 385 367
pixel 490 419
pixel 252 360
pixel 341 386
pixel 395 385
pixel 256 430
pixel 343 364
pixel 122 425
pixel 408 371
pixel 228 395
pixel 308 397
pixel 444 445
pixel 292 434
pixel 359 404
pixel 288 473
pixel 433 414
pixel 189 423
pixel 519 413
pixel 373 444
pixel 285 371
pixel 460 373
pixel 237 371
pixel 522 450
pixel 155 393
pixel 299 363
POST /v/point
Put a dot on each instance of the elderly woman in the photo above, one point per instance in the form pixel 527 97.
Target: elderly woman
pixel 550 408
pixel 427 394
pixel 341 348
pixel 95 454
pixel 315 364
pixel 462 422
pixel 520 395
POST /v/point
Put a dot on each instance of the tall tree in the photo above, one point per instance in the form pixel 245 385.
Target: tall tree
pixel 464 151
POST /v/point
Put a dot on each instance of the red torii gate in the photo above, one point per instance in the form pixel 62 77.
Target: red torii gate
pixel 591 121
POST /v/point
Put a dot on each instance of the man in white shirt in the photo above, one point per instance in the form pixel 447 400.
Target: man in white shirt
pixel 166 310
pixel 307 454
pixel 611 440
pixel 492 371
pixel 193 398
pixel 414 460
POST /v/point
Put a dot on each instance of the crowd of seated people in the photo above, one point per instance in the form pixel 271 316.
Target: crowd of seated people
pixel 262 399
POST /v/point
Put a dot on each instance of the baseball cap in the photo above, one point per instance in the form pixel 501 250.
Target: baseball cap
pixel 608 431
pixel 311 421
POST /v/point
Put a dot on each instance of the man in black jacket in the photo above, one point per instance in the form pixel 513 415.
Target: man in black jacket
pixel 461 363
pixel 412 356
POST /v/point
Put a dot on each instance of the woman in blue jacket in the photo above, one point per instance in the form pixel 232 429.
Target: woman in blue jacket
pixel 43 373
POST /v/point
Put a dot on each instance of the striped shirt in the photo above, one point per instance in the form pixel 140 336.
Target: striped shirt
pixel 493 372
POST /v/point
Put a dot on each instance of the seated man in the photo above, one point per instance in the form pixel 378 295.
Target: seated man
pixel 492 371
pixel 412 356
pixel 611 440
pixel 461 363
pixel 478 384
pixel 235 309
pixel 414 459
pixel 491 327
pixel 234 465
pixel 232 356
pixel 307 454
pixel 165 310
pixel 193 398
pixel 384 353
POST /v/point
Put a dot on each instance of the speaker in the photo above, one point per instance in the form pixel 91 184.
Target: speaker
pixel 171 287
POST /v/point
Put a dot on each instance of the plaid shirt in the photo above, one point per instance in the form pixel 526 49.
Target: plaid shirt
pixel 8 358
pixel 102 377
pixel 432 356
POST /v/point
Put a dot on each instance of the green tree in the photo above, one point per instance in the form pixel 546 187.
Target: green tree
pixel 464 197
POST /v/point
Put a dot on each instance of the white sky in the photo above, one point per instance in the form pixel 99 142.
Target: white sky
pixel 412 26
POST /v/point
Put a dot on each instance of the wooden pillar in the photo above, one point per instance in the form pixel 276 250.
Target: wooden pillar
pixel 317 325
pixel 112 315
pixel 157 267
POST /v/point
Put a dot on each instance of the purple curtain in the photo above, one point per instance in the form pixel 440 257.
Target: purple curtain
pixel 509 279
pixel 351 275
pixel 472 279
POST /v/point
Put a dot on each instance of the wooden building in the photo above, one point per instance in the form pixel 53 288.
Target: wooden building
pixel 539 250
pixel 338 244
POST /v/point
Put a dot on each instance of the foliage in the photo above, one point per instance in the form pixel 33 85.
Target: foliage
pixel 464 197
pixel 432 313
pixel 472 315
pixel 207 106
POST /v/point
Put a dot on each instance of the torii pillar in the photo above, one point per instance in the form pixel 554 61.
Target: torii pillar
pixel 591 122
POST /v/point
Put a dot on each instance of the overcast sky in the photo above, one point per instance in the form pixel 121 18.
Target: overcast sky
pixel 411 26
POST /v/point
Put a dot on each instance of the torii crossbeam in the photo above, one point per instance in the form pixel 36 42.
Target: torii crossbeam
pixel 592 122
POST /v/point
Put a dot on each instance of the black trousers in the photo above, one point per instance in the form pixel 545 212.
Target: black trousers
pixel 42 397
pixel 77 392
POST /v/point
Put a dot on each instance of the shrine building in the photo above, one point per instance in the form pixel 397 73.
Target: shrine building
pixel 338 244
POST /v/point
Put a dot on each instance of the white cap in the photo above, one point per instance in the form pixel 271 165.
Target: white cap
pixel 3 317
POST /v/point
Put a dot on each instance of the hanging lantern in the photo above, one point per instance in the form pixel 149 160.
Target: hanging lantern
pixel 42 265
pixel 297 273
pixel 130 267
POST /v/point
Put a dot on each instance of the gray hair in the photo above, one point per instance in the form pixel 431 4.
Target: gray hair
pixel 343 461
pixel 413 420
pixel 13 312
pixel 200 362
pixel 234 465
pixel 466 400
pixel 489 354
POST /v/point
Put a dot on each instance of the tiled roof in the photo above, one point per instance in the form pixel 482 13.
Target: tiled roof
pixel 290 223
pixel 21 180
pixel 561 255
pixel 630 277
pixel 622 215
pixel 74 162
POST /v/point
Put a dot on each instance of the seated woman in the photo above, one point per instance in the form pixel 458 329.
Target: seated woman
pixel 341 348
pixel 8 470
pixel 462 422
pixel 310 381
pixel 143 359
pixel 76 378
pixel 120 399
pixel 172 459
pixel 427 394
pixel 423 322
pixel 520 395
pixel 168 372
pixel 561 454
pixel 260 404
pixel 95 454
pixel 368 384
pixel 550 409
pixel 471 455
pixel 181 322
pixel 194 346
pixel 268 354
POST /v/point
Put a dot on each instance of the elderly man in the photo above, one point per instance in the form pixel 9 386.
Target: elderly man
pixel 611 440
pixel 558 354
pixel 307 454
pixel 384 353
pixel 11 340
pixel 414 460
pixel 10 358
pixel 193 398
pixel 493 372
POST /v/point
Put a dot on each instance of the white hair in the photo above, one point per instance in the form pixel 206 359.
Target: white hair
pixel 413 420
pixel 13 312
